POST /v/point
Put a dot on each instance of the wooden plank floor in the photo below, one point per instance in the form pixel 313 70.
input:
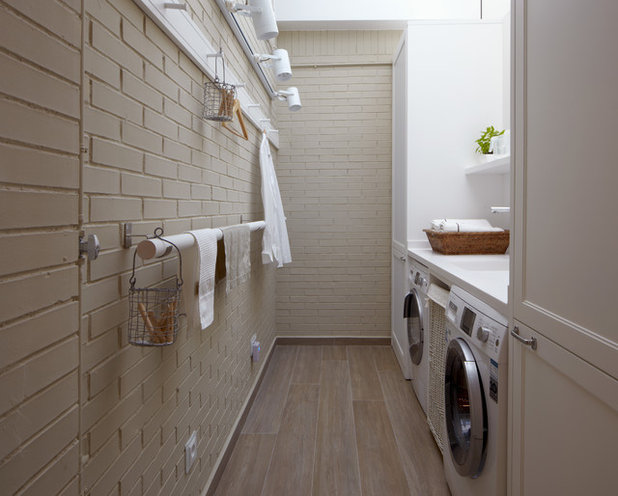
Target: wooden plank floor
pixel 334 421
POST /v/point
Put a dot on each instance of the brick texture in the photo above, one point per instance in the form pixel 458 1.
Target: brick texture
pixel 335 177
pixel 39 274
pixel 82 412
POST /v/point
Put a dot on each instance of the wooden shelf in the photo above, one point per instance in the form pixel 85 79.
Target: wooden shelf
pixel 500 164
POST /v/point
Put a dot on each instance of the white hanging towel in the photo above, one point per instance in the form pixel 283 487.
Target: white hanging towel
pixel 237 260
pixel 275 242
pixel 206 242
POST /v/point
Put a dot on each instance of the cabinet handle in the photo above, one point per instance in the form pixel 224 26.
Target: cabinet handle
pixel 528 342
pixel 402 259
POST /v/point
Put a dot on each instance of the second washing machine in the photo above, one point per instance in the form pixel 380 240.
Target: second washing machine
pixel 416 312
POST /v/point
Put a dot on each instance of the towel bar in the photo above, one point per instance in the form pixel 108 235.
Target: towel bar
pixel 155 248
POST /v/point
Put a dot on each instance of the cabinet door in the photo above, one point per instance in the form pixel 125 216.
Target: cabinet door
pixel 566 174
pixel 399 201
pixel 564 418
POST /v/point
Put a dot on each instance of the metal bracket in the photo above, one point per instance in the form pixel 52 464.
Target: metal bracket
pixel 90 246
pixel 127 235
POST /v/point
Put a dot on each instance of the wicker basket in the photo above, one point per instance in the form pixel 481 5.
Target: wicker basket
pixel 468 243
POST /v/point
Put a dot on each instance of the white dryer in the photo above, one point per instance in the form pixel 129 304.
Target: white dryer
pixel 416 312
pixel 475 393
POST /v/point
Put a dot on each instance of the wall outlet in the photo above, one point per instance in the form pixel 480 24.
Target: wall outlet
pixel 190 452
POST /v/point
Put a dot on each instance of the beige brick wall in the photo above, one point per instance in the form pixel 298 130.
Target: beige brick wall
pixel 81 411
pixel 39 284
pixel 335 178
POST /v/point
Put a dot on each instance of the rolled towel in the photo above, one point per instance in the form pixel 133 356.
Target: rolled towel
pixel 463 225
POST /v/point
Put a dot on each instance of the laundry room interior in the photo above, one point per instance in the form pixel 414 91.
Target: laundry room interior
pixel 275 247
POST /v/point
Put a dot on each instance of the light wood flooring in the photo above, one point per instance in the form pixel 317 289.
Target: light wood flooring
pixel 334 420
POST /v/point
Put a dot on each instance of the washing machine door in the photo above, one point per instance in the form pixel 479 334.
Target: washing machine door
pixel 465 410
pixel 413 312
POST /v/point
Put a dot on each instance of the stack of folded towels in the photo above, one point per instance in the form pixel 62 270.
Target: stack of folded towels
pixel 463 225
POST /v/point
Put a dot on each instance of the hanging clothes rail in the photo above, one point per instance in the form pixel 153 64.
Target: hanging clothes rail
pixel 155 248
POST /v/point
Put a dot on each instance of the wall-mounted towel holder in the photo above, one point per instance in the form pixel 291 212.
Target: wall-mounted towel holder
pixel 159 247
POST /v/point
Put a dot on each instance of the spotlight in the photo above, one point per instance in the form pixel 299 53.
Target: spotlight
pixel 262 14
pixel 280 63
pixel 293 98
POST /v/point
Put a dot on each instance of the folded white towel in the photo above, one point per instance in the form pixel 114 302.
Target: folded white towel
pixel 206 242
pixel 237 259
pixel 463 225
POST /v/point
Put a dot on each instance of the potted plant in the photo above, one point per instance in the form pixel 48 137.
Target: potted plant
pixel 484 142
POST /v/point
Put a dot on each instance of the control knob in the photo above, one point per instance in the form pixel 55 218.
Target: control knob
pixel 482 333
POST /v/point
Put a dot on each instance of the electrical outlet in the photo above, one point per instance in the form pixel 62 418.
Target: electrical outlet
pixel 253 340
pixel 190 452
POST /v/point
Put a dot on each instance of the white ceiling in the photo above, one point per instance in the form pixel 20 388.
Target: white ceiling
pixel 379 14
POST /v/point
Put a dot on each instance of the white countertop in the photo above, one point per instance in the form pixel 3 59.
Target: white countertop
pixel 484 276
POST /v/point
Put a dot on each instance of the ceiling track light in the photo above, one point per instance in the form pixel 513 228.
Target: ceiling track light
pixel 280 63
pixel 262 15
pixel 292 97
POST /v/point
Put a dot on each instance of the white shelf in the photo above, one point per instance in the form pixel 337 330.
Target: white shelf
pixel 500 164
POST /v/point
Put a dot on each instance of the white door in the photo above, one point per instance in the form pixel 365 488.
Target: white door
pixel 399 205
pixel 564 411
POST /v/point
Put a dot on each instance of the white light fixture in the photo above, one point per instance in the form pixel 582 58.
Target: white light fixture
pixel 280 63
pixel 292 96
pixel 262 14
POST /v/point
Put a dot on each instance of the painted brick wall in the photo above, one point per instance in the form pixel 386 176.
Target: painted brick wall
pixel 80 409
pixel 39 280
pixel 335 178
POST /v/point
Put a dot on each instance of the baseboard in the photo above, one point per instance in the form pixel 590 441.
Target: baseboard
pixel 333 340
pixel 229 445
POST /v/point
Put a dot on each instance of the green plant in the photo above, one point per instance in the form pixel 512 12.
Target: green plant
pixel 484 141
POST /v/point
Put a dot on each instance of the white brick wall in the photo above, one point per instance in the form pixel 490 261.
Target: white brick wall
pixel 151 160
pixel 335 177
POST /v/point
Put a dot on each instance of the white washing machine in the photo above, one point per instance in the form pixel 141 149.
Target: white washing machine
pixel 475 395
pixel 416 312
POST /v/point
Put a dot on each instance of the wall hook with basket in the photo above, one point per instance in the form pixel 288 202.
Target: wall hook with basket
pixel 154 312
pixel 219 95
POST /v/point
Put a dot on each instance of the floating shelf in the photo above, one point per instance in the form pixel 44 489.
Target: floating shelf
pixel 500 164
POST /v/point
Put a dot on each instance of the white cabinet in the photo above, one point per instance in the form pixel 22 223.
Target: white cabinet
pixel 564 269
pixel 565 428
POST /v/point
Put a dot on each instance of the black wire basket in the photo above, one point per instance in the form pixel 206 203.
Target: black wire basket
pixel 219 97
pixel 154 312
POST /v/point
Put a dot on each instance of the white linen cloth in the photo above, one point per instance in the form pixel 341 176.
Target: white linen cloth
pixel 237 260
pixel 463 225
pixel 206 243
pixel 275 242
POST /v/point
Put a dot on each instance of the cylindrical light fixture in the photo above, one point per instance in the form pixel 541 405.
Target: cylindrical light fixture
pixel 293 98
pixel 281 64
pixel 264 21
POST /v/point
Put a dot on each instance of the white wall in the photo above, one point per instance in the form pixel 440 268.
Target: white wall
pixel 350 14
pixel 455 91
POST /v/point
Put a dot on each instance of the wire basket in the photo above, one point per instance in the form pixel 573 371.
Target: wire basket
pixel 219 97
pixel 154 312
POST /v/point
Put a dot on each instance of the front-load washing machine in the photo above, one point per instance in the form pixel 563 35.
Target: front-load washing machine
pixel 475 381
pixel 416 313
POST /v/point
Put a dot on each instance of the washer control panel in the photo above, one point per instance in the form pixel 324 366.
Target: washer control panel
pixel 483 331
pixel 418 279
